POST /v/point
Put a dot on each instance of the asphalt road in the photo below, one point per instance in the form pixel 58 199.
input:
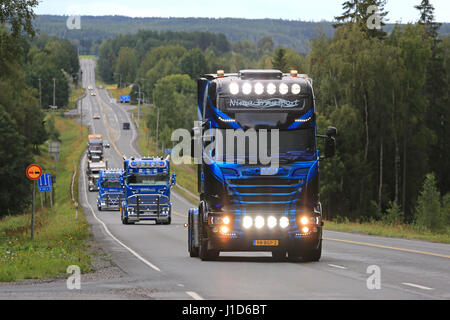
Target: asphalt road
pixel 155 263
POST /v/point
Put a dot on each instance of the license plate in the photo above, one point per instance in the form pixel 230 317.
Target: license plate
pixel 266 243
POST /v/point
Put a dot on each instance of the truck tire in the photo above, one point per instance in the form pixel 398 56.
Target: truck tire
pixel 193 250
pixel 313 254
pixel 294 254
pixel 205 254
pixel 168 221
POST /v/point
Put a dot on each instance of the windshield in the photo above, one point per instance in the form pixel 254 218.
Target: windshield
pixel 294 145
pixel 111 184
pixel 161 179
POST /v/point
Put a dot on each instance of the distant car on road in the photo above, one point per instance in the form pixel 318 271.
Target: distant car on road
pixel 126 126
pixel 106 144
pixel 90 88
pixel 93 93
pixel 96 116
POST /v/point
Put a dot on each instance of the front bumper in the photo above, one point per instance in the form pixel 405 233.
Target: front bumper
pixel 149 215
pixel 249 241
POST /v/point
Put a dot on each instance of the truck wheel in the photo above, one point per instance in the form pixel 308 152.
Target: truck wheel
pixel 313 254
pixel 168 221
pixel 193 250
pixel 206 254
pixel 99 208
pixel 279 255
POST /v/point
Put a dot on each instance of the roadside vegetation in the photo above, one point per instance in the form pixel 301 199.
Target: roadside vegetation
pixel 59 235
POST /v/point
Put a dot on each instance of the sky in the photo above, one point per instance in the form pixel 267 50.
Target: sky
pixel 305 10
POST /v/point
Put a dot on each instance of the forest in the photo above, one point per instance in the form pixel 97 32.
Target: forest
pixel 28 65
pixel 386 92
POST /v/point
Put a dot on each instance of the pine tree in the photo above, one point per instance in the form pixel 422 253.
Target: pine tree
pixel 358 11
pixel 279 60
pixel 427 18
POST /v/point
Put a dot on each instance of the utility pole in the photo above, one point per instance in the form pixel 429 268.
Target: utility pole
pixel 40 94
pixel 81 118
pixel 139 106
pixel 157 130
pixel 54 87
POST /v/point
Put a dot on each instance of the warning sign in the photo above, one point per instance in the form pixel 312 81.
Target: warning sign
pixel 34 172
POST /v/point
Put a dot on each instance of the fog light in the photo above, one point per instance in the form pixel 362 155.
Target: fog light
pixel 247 222
pixel 272 222
pixel 304 220
pixel 224 229
pixel 259 222
pixel 226 220
pixel 305 230
pixel 284 222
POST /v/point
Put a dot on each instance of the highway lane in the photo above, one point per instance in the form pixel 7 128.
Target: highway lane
pixel 408 268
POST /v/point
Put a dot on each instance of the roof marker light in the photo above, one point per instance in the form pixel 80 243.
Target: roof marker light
pixel 259 88
pixel 220 73
pixel 234 88
pixel 284 88
pixel 271 88
pixel 296 88
pixel 246 88
pixel 294 73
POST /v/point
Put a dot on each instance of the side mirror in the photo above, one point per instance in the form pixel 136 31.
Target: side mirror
pixel 331 132
pixel 330 147
pixel 173 180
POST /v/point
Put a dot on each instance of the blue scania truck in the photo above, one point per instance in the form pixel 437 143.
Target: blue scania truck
pixel 247 204
pixel 110 191
pixel 146 185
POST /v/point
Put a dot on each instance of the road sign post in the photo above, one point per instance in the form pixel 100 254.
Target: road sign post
pixel 33 172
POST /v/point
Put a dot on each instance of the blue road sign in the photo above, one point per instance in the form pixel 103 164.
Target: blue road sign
pixel 124 99
pixel 45 182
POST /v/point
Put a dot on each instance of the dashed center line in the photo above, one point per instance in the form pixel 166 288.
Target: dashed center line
pixel 416 286
pixel 336 266
pixel 194 295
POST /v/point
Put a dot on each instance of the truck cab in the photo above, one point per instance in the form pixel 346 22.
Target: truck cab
pixel 247 203
pixel 93 174
pixel 110 189
pixel 147 184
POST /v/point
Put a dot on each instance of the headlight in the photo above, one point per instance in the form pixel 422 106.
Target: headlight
pixel 284 88
pixel 272 222
pixel 259 88
pixel 234 88
pixel 295 89
pixel 304 220
pixel 284 222
pixel 305 229
pixel 247 222
pixel 246 88
pixel 226 220
pixel 259 222
pixel 271 88
pixel 130 209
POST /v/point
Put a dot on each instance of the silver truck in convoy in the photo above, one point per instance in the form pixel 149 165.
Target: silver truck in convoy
pixel 93 173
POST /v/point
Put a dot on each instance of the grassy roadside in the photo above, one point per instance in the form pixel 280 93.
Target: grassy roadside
pixel 60 237
pixel 394 231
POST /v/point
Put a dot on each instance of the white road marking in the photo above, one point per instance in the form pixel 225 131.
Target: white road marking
pixel 416 286
pixel 148 263
pixel 336 266
pixel 194 295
